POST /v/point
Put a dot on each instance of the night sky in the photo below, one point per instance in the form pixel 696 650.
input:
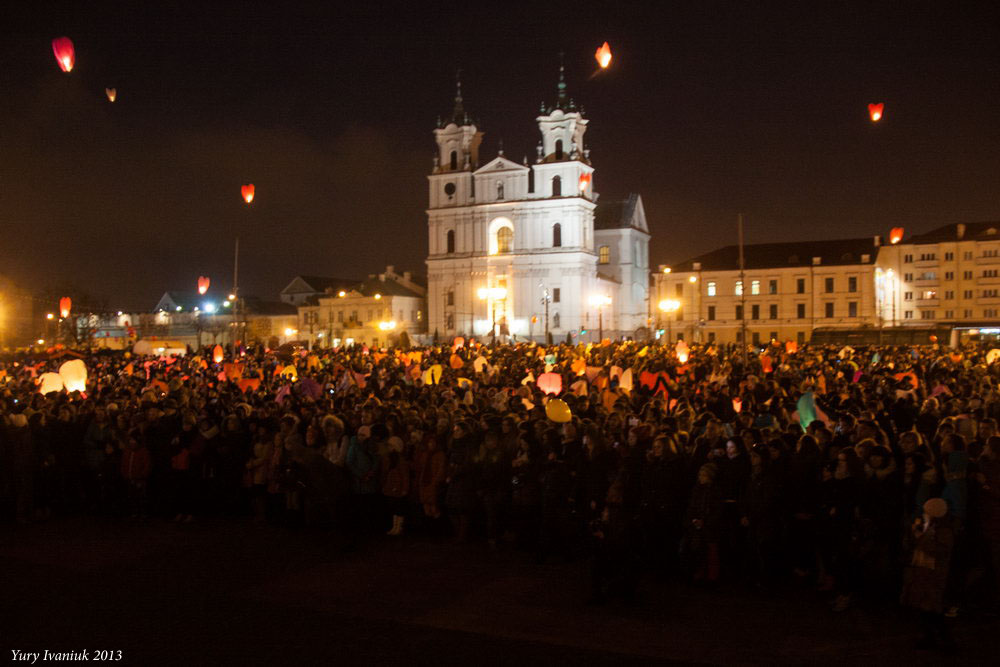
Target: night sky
pixel 707 110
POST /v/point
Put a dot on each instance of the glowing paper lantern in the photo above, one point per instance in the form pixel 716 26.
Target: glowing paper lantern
pixel 112 94
pixel 550 383
pixel 247 192
pixel 464 383
pixel 875 111
pixel 992 355
pixel 249 384
pixel 737 405
pixel 50 382
pixel 791 347
pixel 603 55
pixel 558 411
pixel 433 374
pixel 479 364
pixel 456 362
pixel 457 343
pixel 290 372
pixel 529 378
pixel 203 283
pixel 584 181
pixel 65 306
pixel 682 351
pixel 579 366
pixel 626 383
pixel 74 375
pixel 895 235
pixel 65 54
pixel 218 354
pixel 579 387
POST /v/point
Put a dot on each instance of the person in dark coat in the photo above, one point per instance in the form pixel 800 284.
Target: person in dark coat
pixel 926 578
pixel 662 507
pixel 460 496
pixel 703 526
pixel 762 513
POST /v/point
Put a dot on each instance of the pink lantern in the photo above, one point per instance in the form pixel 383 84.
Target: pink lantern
pixel 65 54
pixel 203 283
pixel 247 191
pixel 550 383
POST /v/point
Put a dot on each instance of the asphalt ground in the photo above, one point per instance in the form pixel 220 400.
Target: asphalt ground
pixel 228 591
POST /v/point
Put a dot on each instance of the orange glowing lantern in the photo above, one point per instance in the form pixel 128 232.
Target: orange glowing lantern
pixel 737 405
pixel 456 362
pixel 875 111
pixel 682 351
pixel 112 94
pixel 218 354
pixel 584 181
pixel 247 191
pixel 791 347
pixel 62 47
pixel 603 56
pixel 65 306
pixel 895 235
pixel 203 283
pixel 550 383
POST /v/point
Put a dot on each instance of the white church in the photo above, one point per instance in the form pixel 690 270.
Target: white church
pixel 517 250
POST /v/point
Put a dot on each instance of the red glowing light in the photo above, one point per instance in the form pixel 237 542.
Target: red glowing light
pixel 65 54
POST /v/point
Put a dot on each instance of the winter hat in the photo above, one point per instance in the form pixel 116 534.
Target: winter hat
pixel 936 508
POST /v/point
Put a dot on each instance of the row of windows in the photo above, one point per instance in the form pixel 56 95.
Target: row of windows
pixel 373 314
pixel 949 256
pixel 829 284
pixel 505 239
pixel 449 297
pixel 950 314
pixel 829 310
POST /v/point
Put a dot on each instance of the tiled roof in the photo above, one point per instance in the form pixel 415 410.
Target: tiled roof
pixel 972 231
pixel 780 255
pixel 615 214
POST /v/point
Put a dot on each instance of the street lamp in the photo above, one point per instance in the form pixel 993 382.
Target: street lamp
pixel 493 294
pixel 599 301
pixel 670 306
pixel 387 326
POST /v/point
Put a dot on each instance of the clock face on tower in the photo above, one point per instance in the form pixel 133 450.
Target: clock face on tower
pixel 449 189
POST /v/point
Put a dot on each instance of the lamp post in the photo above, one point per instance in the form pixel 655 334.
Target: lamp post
pixel 600 300
pixel 670 306
pixel 493 294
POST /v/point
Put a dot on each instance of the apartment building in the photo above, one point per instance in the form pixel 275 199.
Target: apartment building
pixel 785 292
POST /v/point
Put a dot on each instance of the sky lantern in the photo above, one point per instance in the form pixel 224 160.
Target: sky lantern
pixel 682 351
pixel 65 305
pixel 603 56
pixel 875 111
pixel 50 382
pixel 584 181
pixel 112 94
pixel 247 191
pixel 74 375
pixel 558 411
pixel 218 354
pixel 203 283
pixel 550 383
pixel 65 54
pixel 895 235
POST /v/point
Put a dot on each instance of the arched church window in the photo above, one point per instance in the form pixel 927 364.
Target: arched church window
pixel 557 235
pixel 499 189
pixel 451 241
pixel 556 186
pixel 604 255
pixel 559 149
pixel 505 240
pixel 449 298
pixel 454 160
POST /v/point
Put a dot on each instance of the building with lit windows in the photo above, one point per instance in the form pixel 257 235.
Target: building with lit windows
pixel 515 249
pixel 787 291
pixel 948 277
pixel 373 312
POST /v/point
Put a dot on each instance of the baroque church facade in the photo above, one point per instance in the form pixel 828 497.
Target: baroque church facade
pixel 519 249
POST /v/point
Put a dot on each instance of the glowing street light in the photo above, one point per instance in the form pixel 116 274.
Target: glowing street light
pixel 209 307
pixel 493 294
pixel 693 279
pixel 599 301
pixel 50 316
pixel 670 306
pixel 387 325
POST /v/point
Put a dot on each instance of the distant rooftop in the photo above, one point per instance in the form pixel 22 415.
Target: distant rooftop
pixel 780 255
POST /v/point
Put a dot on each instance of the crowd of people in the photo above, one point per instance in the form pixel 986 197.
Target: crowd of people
pixel 862 472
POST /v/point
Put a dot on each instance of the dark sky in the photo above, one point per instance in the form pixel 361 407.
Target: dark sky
pixel 709 109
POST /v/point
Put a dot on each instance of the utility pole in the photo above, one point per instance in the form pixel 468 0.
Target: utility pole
pixel 236 294
pixel 743 295
pixel 545 301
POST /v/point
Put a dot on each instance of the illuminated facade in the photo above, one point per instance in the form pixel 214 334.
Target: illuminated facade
pixel 507 239
pixel 950 275
pixel 791 289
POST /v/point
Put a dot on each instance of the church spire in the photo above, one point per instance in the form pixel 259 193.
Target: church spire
pixel 563 100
